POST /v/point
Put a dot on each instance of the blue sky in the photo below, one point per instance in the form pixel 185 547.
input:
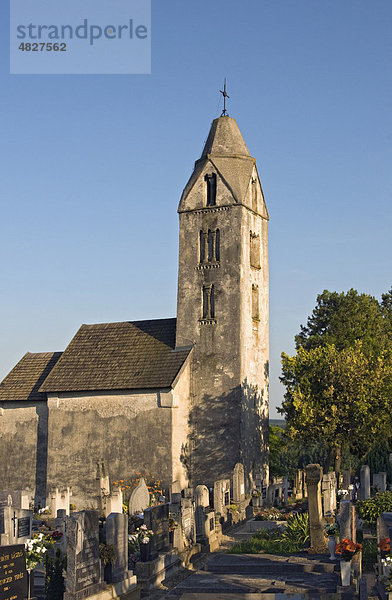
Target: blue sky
pixel 92 167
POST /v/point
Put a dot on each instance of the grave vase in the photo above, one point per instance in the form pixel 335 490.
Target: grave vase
pixel 345 572
pixel 145 552
pixel 331 547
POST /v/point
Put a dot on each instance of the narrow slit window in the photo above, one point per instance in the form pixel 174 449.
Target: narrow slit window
pixel 202 247
pixel 254 250
pixel 255 302
pixel 208 302
pixel 217 245
pixel 211 244
pixel 211 189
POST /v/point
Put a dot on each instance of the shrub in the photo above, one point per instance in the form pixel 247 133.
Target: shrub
pixel 297 532
pixel 289 541
pixel 370 510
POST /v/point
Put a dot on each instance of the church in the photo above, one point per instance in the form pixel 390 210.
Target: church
pixel 184 398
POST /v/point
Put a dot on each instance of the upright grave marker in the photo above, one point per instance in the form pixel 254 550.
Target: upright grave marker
pixel 239 483
pixel 139 499
pixel 13 574
pixel 117 536
pixel 364 490
pixel 156 518
pixel 83 564
pixel 15 526
pixel 314 475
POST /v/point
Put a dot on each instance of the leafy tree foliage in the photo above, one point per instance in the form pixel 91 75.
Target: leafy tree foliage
pixel 342 397
pixel 287 455
pixel 341 319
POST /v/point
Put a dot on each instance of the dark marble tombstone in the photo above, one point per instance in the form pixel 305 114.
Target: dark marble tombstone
pixel 116 529
pixel 83 564
pixel 156 518
pixel 13 575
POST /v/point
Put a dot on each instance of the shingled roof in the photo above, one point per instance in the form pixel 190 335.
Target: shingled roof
pixel 25 379
pixel 112 356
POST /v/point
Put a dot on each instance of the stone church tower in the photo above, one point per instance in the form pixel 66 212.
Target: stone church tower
pixel 222 308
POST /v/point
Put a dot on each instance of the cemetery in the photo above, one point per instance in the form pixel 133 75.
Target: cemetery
pixel 136 536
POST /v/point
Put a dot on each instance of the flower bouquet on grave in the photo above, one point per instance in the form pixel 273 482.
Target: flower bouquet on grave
pixel 144 537
pixel 346 549
pixel 384 547
pixel 36 548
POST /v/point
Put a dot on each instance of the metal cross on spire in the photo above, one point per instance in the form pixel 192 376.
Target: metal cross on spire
pixel 225 95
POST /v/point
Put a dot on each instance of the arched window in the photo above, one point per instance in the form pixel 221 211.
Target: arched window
pixel 211 189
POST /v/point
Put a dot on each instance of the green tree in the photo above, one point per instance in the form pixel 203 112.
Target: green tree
pixel 339 396
pixel 341 319
pixel 287 455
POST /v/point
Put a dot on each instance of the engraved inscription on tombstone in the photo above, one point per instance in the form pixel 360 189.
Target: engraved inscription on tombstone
pixel 83 563
pixel 13 575
pixel 157 519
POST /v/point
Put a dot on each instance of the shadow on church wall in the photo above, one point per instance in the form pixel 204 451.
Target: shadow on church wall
pixel 225 430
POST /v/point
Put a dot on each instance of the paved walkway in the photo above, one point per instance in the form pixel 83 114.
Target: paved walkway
pixel 222 576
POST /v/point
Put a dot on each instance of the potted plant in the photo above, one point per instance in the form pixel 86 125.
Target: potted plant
pixel 332 531
pixel 107 554
pixel 346 549
pixel 144 538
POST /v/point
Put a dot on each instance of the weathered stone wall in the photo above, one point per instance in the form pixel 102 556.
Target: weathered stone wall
pixel 180 425
pixel 23 428
pixel 128 432
pixel 229 381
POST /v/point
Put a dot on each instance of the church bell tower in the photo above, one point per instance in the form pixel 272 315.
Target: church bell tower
pixel 222 308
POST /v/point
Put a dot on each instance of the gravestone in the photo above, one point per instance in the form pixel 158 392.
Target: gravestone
pixel 328 487
pixel 285 490
pixel 116 529
pixel 60 524
pixel 346 480
pixel 15 498
pixel 175 492
pixel 188 521
pixel 380 481
pixel 15 526
pixel 364 490
pixel 83 564
pixel 298 484
pixel 60 500
pixel 113 503
pixel 13 574
pixel 157 519
pixel 314 475
pixel 202 501
pixel 384 526
pixel 221 496
pixel 239 483
pixel 139 499
pixel 346 519
pixel 202 496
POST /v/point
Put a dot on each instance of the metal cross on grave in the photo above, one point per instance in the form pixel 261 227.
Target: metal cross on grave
pixel 14 520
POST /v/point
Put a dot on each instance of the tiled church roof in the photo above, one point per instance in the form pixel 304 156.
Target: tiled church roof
pixel 25 379
pixel 128 355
